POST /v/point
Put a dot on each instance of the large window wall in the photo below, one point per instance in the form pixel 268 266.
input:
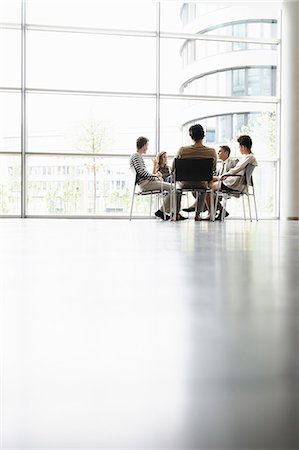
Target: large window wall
pixel 81 80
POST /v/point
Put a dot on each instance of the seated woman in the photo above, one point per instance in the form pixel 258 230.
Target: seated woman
pixel 235 183
pixel 161 166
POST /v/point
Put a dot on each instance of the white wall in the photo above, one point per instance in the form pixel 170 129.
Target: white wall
pixel 290 111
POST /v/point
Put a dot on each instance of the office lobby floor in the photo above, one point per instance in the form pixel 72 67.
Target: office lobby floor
pixel 149 335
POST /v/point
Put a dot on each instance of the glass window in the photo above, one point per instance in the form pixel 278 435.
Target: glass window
pixel 211 48
pixel 175 65
pixel 238 81
pixel 93 185
pixel 254 81
pixel 210 130
pixel 212 84
pixel 200 50
pixel 93 13
pixel 107 125
pixel 254 30
pixel 10 11
pixel 10 122
pixel 261 126
pixel 174 15
pixel 10 185
pixel 184 13
pixel 89 124
pixel 10 57
pixel 239 30
pixel 224 85
pixel 91 62
pixel 191 52
pixel 173 53
pixel 239 121
pixel 225 128
pixel 192 11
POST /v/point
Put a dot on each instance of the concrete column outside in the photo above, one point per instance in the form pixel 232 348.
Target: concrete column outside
pixel 289 195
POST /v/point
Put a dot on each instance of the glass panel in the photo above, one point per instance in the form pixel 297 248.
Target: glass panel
pixel 254 81
pixel 10 122
pixel 239 87
pixel 82 186
pixel 103 186
pixel 212 84
pixel 91 62
pixel 254 30
pixel 259 122
pixel 93 13
pixel 239 30
pixel 10 185
pixel 264 178
pixel 89 124
pixel 179 16
pixel 225 128
pixel 174 15
pixel 179 68
pixel 260 81
pixel 10 11
pixel 10 58
pixel 268 80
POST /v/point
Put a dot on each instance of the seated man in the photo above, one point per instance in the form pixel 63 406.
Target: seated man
pixel 226 164
pixel 148 181
pixel 227 181
pixel 200 151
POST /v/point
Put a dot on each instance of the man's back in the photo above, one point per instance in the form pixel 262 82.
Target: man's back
pixel 198 152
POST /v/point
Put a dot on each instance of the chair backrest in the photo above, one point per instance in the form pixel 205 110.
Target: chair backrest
pixel 248 174
pixel 191 169
pixel 134 174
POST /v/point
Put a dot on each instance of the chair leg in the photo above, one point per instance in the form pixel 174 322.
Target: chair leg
pixel 212 206
pixel 171 198
pixel 223 208
pixel 255 206
pixel 249 208
pixel 162 200
pixel 197 210
pixel 132 205
pixel 244 212
pixel 150 213
pixel 174 204
pixel 216 203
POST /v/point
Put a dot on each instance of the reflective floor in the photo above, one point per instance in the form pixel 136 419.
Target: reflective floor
pixel 149 335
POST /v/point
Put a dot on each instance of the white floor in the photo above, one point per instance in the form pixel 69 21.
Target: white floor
pixel 149 334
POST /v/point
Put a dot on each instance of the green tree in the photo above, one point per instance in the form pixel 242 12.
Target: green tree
pixel 94 137
pixel 51 200
pixel 3 199
pixel 262 130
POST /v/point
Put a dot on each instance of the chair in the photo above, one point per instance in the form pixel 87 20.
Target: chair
pixel 137 191
pixel 248 192
pixel 194 170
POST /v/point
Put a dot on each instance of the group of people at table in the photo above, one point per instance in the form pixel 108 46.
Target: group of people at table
pixel 224 178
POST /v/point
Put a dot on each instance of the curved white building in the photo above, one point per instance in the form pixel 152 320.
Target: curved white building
pixel 239 67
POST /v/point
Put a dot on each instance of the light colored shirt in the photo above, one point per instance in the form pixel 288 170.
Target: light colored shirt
pixel 238 183
pixel 226 165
